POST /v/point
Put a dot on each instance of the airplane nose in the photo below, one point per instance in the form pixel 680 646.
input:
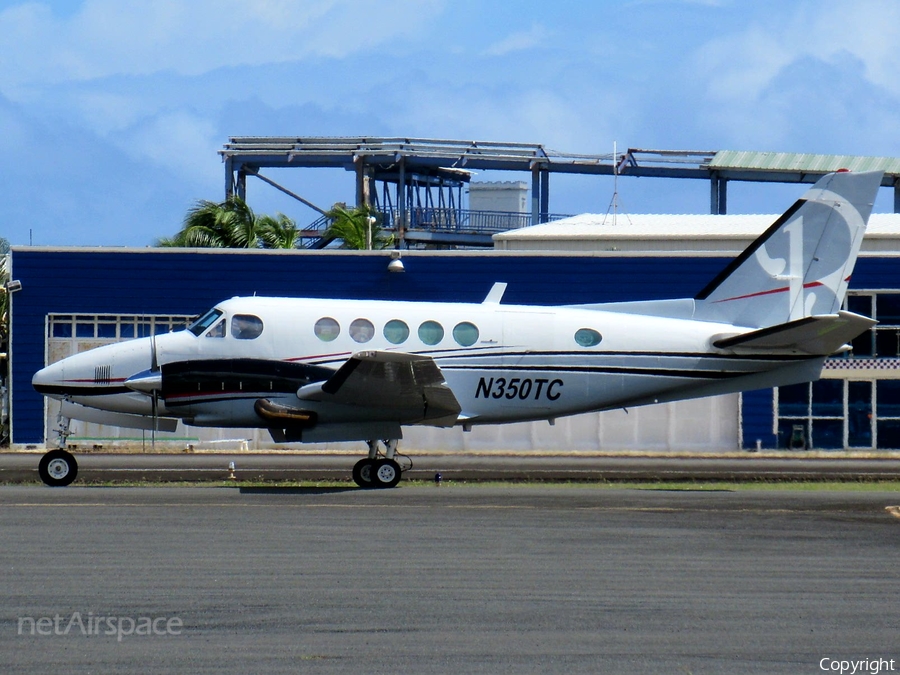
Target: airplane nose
pixel 48 380
pixel 96 372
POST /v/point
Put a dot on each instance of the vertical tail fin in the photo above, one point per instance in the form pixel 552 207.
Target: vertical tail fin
pixel 801 265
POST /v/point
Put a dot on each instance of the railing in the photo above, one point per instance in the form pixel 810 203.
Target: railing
pixel 312 234
pixel 459 220
pixel 437 220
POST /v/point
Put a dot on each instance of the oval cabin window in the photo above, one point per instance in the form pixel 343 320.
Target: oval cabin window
pixel 431 332
pixel 465 334
pixel 396 331
pixel 587 337
pixel 327 329
pixel 362 330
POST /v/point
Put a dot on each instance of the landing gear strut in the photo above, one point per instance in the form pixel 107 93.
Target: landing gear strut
pixel 58 467
pixel 377 470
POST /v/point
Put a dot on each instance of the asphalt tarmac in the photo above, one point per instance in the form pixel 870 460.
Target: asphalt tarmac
pixel 445 579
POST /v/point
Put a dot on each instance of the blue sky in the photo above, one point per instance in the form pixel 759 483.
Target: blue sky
pixel 112 113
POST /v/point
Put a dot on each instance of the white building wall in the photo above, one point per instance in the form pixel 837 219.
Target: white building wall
pixel 506 196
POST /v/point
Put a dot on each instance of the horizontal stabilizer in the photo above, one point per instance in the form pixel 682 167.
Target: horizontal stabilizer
pixel 410 386
pixel 117 419
pixel 814 335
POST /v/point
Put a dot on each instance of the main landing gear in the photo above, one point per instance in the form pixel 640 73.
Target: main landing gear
pixel 379 470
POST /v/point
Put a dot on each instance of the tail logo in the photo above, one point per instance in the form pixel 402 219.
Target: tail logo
pixel 809 262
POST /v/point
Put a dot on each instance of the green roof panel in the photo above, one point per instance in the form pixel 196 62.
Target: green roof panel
pixel 792 161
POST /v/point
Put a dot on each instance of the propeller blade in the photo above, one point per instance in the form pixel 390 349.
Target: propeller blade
pixel 154 361
pixel 155 410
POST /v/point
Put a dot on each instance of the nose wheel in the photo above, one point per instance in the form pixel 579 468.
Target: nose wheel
pixel 377 471
pixel 58 468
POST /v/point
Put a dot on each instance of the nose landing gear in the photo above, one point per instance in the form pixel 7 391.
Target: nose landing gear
pixel 377 470
pixel 58 467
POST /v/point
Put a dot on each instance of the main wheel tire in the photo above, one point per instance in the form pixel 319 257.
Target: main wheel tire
pixel 385 473
pixel 362 473
pixel 58 468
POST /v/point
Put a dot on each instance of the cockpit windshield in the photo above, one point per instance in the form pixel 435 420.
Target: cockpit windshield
pixel 205 322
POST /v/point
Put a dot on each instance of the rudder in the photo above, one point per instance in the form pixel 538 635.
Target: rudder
pixel 801 265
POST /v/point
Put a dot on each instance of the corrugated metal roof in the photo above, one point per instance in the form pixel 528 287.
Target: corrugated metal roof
pixel 792 161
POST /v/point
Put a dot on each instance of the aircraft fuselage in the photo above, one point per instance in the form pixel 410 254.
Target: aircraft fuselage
pixel 503 363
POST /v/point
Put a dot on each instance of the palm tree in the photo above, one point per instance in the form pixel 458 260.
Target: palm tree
pixel 278 232
pixel 233 224
pixel 352 227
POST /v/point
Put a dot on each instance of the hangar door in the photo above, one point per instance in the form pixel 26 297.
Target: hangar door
pixel 69 334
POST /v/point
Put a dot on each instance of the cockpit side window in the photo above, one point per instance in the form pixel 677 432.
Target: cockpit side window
pixel 246 326
pixel 204 322
pixel 217 331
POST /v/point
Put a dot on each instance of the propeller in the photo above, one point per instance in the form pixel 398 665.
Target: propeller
pixel 154 393
pixel 149 383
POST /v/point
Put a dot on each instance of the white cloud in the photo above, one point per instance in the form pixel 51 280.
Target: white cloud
pixel 815 77
pixel 519 41
pixel 867 30
pixel 189 37
pixel 107 112
pixel 178 140
pixel 739 66
pixel 507 114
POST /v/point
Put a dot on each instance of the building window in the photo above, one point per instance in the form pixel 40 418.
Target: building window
pixel 811 415
pixel 837 414
pixel 883 340
pixel 888 414
pixel 115 327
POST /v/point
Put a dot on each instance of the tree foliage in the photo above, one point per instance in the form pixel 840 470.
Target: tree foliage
pixel 233 224
pixel 351 226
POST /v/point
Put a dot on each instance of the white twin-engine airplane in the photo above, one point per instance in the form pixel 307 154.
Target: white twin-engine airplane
pixel 313 370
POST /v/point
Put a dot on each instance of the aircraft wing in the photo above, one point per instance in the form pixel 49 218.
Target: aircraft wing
pixel 409 385
pixel 821 335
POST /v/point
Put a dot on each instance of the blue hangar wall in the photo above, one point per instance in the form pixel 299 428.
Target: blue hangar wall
pixel 171 281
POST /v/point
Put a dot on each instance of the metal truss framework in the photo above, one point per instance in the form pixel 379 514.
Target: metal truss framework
pixel 721 166
pixel 408 163
pixel 404 162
